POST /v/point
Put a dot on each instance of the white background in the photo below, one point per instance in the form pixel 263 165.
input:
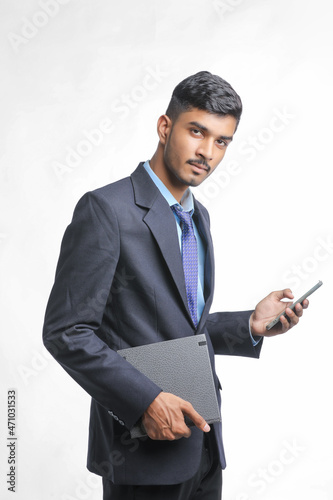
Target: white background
pixel 70 67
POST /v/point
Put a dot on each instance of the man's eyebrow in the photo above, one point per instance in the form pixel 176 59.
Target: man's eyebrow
pixel 205 129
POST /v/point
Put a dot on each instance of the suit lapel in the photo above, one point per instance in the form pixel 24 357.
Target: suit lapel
pixel 161 222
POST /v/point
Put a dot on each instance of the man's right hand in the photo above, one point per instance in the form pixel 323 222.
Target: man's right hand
pixel 164 418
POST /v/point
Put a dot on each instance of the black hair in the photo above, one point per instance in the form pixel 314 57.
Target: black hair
pixel 206 92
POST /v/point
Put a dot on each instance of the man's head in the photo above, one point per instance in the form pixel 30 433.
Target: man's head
pixel 195 131
pixel 206 92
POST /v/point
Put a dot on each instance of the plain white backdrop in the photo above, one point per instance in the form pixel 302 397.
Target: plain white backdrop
pixel 83 84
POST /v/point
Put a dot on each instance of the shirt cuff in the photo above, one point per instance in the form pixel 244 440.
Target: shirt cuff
pixel 254 341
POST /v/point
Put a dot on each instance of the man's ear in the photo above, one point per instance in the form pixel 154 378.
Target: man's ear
pixel 164 125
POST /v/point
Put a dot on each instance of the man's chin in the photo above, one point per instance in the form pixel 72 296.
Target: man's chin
pixel 195 183
pixel 196 180
pixel 192 180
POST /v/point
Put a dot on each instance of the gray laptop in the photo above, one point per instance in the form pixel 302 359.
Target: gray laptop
pixel 181 367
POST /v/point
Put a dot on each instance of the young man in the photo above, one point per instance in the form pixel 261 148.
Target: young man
pixel 150 229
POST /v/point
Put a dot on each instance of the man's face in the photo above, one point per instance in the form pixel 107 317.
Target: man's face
pixel 196 144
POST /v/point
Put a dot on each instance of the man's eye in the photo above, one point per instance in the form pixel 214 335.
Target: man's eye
pixel 222 143
pixel 196 131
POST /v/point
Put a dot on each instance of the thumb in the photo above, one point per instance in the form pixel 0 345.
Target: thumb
pixel 284 294
pixel 196 418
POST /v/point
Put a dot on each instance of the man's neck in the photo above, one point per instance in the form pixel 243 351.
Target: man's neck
pixel 177 189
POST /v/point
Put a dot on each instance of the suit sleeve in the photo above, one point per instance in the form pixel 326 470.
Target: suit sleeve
pixel 85 272
pixel 230 335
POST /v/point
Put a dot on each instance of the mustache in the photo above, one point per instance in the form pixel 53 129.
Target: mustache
pixel 199 162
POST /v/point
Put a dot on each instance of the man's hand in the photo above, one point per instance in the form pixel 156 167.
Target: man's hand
pixel 164 418
pixel 270 307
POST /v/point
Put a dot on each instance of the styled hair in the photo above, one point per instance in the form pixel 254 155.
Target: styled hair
pixel 206 92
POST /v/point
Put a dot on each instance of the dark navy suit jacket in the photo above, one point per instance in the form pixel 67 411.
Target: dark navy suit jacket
pixel 120 283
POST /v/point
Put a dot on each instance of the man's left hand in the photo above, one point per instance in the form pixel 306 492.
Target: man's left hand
pixel 270 307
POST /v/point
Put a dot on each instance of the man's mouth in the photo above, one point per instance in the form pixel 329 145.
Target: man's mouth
pixel 201 166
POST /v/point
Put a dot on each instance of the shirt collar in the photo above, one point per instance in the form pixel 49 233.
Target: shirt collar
pixel 186 203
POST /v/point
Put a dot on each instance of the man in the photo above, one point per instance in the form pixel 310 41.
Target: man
pixel 136 266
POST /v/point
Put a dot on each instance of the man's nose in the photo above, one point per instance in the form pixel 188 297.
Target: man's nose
pixel 205 150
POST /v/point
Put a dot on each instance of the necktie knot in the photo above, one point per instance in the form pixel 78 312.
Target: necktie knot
pixel 184 217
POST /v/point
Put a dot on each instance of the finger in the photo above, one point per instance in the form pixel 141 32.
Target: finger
pixel 177 430
pixel 184 432
pixel 293 318
pixel 305 303
pixel 298 310
pixel 285 323
pixel 197 419
pixel 286 304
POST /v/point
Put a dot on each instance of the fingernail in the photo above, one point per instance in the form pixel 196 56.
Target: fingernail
pixel 206 428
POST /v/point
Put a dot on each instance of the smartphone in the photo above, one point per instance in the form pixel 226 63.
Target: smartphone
pixel 292 307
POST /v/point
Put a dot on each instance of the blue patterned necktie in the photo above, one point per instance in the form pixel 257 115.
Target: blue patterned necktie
pixel 190 260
